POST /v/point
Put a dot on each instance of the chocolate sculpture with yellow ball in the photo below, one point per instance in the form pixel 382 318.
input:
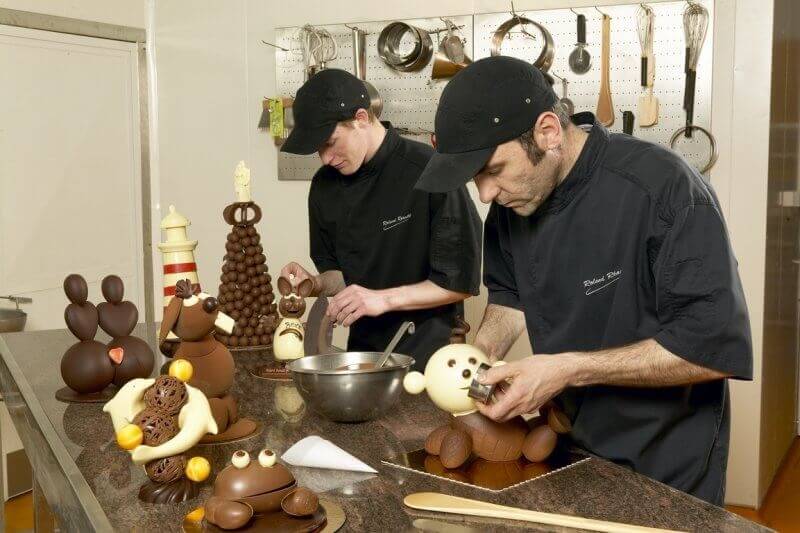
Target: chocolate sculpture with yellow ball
pixel 193 317
pixel 448 377
pixel 157 421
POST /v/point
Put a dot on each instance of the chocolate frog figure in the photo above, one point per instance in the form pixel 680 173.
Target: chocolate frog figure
pixel 193 318
pixel 248 490
pixel 448 375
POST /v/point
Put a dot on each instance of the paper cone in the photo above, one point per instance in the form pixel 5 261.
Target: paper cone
pixel 316 452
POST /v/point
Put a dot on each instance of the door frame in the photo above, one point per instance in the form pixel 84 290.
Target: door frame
pixel 127 34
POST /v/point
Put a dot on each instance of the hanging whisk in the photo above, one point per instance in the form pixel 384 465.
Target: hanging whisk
pixel 319 48
pixel 695 25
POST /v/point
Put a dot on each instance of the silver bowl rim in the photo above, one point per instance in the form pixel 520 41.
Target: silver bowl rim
pixel 293 367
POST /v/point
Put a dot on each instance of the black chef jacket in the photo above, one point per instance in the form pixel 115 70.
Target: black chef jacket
pixel 381 233
pixel 632 245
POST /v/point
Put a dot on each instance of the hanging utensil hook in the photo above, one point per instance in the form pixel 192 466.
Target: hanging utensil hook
pixel 598 10
pixel 276 46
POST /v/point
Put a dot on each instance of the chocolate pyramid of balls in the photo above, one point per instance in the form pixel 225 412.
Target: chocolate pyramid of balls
pixel 245 291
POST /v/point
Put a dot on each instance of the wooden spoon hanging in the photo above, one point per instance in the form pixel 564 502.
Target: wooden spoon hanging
pixel 605 107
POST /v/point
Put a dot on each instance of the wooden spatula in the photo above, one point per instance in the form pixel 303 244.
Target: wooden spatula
pixel 605 108
pixel 443 503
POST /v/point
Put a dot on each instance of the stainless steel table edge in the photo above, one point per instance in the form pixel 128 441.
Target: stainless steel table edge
pixel 64 487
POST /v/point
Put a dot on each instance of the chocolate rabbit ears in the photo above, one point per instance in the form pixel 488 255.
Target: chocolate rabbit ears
pixel 303 289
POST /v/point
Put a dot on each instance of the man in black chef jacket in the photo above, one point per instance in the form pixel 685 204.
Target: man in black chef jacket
pixel 385 251
pixel 614 253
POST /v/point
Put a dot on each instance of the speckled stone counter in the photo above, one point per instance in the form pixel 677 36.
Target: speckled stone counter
pixel 92 484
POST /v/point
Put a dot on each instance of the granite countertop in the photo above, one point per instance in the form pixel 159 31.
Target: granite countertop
pixel 594 488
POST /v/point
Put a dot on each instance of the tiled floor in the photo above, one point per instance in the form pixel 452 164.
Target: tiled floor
pixel 781 509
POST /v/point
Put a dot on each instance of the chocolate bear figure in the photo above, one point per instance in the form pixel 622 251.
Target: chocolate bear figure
pixel 193 318
pixel 86 366
pixel 133 356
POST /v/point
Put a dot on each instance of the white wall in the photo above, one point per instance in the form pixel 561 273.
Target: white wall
pixel 213 73
pixel 120 12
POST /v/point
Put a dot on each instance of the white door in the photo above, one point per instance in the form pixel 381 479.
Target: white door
pixel 70 172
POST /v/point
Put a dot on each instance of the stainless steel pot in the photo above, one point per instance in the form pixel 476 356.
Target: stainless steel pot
pixel 360 69
pixel 350 395
pixel 545 59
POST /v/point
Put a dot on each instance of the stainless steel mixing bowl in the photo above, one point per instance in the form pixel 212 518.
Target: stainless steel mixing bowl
pixel 12 320
pixel 350 395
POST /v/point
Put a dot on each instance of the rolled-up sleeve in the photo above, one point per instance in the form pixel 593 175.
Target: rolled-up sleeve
pixel 498 263
pixel 701 306
pixel 455 250
pixel 321 236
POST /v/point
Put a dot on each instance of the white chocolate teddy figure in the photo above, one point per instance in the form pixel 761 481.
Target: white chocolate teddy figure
pixel 447 379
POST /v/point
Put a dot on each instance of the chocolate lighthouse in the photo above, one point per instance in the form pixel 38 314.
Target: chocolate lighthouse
pixel 177 253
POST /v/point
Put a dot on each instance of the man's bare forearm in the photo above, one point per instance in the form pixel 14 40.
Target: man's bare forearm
pixel 423 295
pixel 641 364
pixel 329 283
pixel 500 328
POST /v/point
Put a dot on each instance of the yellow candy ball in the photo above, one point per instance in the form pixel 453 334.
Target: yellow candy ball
pixel 130 437
pixel 198 469
pixel 197 515
pixel 181 369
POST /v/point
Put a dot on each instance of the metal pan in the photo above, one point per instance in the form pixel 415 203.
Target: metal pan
pixel 360 70
pixel 545 59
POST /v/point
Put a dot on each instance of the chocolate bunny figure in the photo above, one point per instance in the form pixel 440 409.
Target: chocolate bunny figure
pixel 287 344
pixel 86 366
pixel 133 356
pixel 193 318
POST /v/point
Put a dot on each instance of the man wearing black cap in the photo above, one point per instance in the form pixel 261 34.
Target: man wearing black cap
pixel 614 253
pixel 386 252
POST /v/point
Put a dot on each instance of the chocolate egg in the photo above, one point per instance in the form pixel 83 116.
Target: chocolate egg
pixel 248 299
pixel 233 340
pixel 558 421
pixel 300 502
pixel 245 287
pixel 251 230
pixel 434 441
pixel 166 469
pixel 253 323
pixel 238 331
pixel 251 271
pixel 455 449
pixel 266 339
pixel 241 232
pixel 233 236
pixel 539 443
pixel 157 426
pixel 245 242
pixel 167 394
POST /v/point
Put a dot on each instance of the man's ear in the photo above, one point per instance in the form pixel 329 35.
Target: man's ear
pixel 548 132
pixel 362 117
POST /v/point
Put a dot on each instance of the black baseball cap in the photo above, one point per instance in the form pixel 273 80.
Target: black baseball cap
pixel 490 102
pixel 328 97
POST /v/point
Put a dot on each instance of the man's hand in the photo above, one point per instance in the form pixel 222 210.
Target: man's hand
pixel 354 302
pixel 295 273
pixel 534 380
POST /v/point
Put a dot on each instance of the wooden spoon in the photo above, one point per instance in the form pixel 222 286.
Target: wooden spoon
pixel 605 107
pixel 443 503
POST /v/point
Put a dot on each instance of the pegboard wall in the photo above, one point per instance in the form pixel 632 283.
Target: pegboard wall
pixel 410 98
